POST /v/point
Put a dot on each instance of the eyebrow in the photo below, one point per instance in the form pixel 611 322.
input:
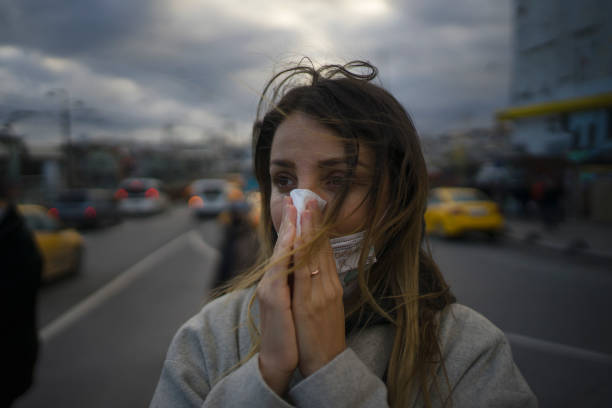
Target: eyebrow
pixel 332 162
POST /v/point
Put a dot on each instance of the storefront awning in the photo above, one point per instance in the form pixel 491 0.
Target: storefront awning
pixel 562 106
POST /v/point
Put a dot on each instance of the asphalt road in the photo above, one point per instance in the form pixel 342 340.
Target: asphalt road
pixel 553 307
pixel 106 331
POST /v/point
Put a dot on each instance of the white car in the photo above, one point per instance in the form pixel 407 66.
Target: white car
pixel 141 196
pixel 209 197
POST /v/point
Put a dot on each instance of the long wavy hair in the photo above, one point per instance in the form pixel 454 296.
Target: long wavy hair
pixel 404 287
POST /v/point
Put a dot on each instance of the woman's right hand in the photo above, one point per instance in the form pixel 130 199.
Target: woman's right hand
pixel 278 353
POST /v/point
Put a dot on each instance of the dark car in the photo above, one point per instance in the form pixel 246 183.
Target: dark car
pixel 86 207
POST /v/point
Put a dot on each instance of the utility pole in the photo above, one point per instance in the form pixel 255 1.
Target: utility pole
pixel 66 129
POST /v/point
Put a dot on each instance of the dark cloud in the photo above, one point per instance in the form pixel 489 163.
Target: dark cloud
pixel 71 27
pixel 453 70
pixel 141 63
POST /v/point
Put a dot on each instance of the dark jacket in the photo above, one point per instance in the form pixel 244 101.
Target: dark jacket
pixel 20 274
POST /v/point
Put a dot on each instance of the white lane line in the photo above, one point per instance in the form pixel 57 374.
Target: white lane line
pixel 201 246
pixel 212 255
pixel 110 289
pixel 558 348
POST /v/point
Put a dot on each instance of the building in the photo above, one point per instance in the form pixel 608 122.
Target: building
pixel 561 93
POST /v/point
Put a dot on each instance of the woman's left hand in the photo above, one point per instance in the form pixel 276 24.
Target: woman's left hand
pixel 318 311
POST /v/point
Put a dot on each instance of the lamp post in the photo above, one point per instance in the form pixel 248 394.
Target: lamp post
pixel 65 128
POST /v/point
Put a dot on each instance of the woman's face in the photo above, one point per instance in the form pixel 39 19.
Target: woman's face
pixel 305 154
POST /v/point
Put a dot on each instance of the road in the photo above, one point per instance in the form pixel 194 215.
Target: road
pixel 106 331
pixel 553 307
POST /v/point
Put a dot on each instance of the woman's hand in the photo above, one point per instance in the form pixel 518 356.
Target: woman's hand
pixel 318 311
pixel 278 354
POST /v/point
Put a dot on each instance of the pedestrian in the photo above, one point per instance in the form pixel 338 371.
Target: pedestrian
pixel 20 274
pixel 346 307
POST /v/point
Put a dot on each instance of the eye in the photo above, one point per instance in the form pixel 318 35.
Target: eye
pixel 283 182
pixel 336 180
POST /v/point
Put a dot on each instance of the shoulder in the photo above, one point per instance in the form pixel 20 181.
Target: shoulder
pixel 217 336
pixel 466 334
pixel 460 323
pixel 478 361
pixel 225 311
pixel 220 318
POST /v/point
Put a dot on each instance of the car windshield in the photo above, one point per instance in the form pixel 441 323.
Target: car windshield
pixel 211 193
pixel 468 195
pixel 136 186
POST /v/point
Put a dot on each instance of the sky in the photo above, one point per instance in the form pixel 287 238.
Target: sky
pixel 190 69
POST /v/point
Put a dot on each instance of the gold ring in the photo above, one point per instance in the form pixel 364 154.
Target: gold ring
pixel 314 273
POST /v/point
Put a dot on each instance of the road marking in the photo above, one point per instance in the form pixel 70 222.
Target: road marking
pixel 194 240
pixel 197 243
pixel 558 348
pixel 119 283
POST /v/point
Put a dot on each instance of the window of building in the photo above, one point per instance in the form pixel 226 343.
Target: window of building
pixel 564 121
pixel 592 135
pixel 609 114
pixel 586 59
pixel 521 10
pixel 575 138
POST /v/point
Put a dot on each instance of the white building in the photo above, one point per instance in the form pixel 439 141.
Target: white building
pixel 561 92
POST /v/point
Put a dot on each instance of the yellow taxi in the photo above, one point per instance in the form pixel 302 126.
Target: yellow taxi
pixel 452 211
pixel 60 247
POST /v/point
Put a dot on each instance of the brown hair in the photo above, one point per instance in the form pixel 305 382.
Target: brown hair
pixel 404 287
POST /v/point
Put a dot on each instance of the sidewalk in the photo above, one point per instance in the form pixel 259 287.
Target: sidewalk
pixel 580 236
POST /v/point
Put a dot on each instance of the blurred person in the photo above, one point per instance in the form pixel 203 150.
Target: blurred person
pixel 21 268
pixel 239 247
pixel 310 327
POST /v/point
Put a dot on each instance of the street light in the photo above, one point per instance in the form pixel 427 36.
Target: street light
pixel 65 127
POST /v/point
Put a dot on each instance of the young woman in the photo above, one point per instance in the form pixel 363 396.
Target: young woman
pixel 346 307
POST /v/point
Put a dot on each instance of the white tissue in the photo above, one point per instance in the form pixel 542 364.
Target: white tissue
pixel 346 249
pixel 300 197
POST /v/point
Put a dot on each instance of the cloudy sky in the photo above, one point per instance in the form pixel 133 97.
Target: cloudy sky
pixel 150 69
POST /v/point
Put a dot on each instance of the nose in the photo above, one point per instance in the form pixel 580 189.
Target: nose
pixel 313 185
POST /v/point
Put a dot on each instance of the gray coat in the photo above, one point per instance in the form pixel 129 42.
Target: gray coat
pixel 202 367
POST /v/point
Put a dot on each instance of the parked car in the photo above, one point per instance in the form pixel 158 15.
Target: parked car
pixel 86 207
pixel 209 197
pixel 61 247
pixel 141 196
pixel 453 211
